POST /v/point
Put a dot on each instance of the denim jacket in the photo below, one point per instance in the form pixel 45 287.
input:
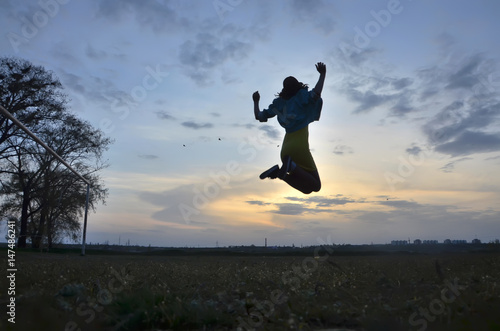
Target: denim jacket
pixel 296 112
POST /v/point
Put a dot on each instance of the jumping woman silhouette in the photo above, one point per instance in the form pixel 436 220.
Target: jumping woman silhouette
pixel 296 107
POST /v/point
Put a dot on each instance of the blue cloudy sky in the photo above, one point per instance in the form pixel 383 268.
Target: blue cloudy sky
pixel 408 145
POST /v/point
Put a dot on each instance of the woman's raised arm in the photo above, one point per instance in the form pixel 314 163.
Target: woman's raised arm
pixel 321 67
pixel 256 110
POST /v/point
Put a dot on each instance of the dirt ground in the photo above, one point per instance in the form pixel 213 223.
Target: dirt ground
pixel 145 292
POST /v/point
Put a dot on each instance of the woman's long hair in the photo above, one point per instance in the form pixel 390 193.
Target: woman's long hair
pixel 290 87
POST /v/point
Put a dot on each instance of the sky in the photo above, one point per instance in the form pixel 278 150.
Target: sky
pixel 407 146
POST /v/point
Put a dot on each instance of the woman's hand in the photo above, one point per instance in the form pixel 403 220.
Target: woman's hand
pixel 256 110
pixel 321 67
pixel 256 96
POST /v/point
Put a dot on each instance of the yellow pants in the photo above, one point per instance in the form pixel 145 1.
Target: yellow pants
pixel 296 145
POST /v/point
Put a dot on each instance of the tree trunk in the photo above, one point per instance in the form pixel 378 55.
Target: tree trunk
pixel 49 232
pixel 21 242
pixel 38 238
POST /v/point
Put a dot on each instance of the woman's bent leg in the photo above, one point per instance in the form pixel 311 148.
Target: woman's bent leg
pixel 304 181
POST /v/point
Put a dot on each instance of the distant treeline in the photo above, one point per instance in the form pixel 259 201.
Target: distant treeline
pixel 313 251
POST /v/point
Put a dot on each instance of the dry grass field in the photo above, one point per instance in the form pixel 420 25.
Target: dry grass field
pixel 65 291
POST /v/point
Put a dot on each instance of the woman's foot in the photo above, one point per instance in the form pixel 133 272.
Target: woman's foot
pixel 270 173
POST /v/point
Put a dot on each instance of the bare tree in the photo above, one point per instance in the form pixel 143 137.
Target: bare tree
pixel 30 93
pixel 34 185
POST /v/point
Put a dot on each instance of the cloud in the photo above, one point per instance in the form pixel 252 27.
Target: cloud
pixel 455 119
pixel 164 115
pixel 470 142
pixel 148 156
pixel 401 204
pixel 369 100
pixel 312 12
pixel 291 209
pixel 257 203
pixel 207 51
pixel 246 126
pixel 323 202
pixel 445 41
pixel 206 46
pixel 455 105
pixel 400 218
pixel 73 82
pixel 310 205
pixel 197 126
pixel 492 158
pixel 171 203
pixel 403 106
pixel 368 85
pixel 151 14
pixel 401 83
pixel 467 75
pixel 94 54
pixel 342 150
pixel 458 90
pixel 457 75
pixel 350 59
pixel 6 5
pixel 450 166
pixel 414 150
pixel 65 54
pixel 98 90
pixel 408 218
pixel 271 131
